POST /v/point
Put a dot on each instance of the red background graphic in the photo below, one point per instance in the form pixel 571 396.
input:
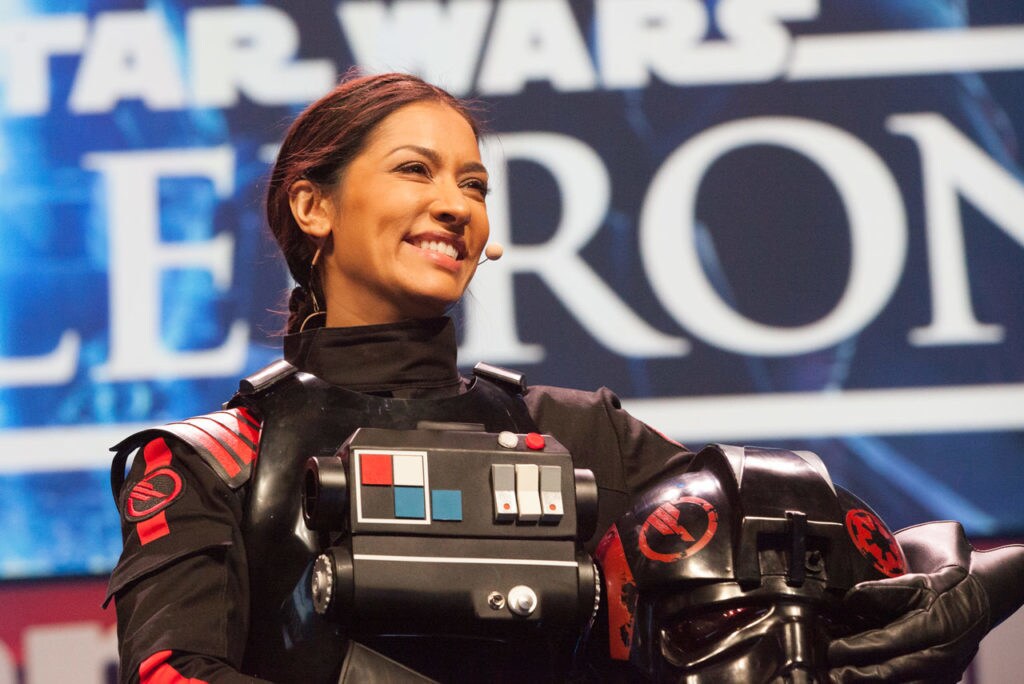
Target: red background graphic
pixel 55 630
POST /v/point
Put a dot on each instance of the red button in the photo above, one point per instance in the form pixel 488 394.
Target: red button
pixel 534 441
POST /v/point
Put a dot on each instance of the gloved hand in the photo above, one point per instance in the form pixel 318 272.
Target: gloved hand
pixel 931 619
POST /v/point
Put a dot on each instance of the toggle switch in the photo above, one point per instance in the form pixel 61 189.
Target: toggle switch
pixel 528 492
pixel 503 487
pixel 552 509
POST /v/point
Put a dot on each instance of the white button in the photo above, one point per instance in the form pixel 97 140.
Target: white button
pixel 507 439
pixel 522 600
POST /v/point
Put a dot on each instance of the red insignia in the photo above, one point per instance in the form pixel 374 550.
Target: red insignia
pixel 875 542
pixel 152 494
pixel 678 529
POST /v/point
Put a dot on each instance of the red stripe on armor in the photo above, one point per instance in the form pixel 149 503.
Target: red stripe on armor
pixel 153 528
pixel 246 415
pixel 246 426
pixel 225 427
pixel 156 670
pixel 157 454
pixel 223 456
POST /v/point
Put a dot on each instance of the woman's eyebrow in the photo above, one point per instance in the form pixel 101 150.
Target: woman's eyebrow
pixel 430 154
pixel 473 167
pixel 435 158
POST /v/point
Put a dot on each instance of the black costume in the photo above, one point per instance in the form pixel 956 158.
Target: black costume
pixel 182 585
pixel 212 543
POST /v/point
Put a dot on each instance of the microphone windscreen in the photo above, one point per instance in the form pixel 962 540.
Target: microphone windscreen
pixel 494 251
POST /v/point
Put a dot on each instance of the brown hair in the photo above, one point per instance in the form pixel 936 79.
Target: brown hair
pixel 319 145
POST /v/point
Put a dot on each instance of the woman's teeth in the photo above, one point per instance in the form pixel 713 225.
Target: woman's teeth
pixel 441 247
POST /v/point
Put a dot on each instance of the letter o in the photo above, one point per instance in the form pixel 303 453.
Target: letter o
pixel 874 211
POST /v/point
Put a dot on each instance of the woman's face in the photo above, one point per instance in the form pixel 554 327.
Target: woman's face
pixel 408 219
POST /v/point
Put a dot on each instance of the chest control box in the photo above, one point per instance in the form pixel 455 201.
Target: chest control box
pixel 448 531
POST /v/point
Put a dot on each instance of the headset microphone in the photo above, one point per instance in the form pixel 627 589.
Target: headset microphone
pixel 492 252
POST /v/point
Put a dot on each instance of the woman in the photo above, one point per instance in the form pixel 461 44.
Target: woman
pixel 378 202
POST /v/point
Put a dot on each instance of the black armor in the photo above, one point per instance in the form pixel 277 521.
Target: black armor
pixel 303 417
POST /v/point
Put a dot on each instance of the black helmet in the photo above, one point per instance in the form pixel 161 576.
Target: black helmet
pixel 734 568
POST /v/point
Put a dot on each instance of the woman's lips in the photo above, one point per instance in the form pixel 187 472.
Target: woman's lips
pixel 441 251
pixel 438 246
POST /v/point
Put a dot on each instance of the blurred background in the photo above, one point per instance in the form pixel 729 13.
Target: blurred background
pixel 773 222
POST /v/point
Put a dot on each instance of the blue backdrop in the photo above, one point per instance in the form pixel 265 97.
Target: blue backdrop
pixel 793 222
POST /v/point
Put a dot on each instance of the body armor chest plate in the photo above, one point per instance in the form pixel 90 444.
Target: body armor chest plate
pixel 304 416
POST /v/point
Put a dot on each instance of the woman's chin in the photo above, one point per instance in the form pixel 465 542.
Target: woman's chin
pixel 434 289
pixel 430 304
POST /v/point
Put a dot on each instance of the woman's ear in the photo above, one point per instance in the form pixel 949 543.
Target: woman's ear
pixel 311 208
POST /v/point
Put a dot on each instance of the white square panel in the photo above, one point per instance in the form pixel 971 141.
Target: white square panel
pixel 408 470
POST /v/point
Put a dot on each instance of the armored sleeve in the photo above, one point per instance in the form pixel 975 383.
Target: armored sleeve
pixel 181 584
pixel 623 452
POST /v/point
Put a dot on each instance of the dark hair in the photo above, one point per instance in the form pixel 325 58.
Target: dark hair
pixel 319 145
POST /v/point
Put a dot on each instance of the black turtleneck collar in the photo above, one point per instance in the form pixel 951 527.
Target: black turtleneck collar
pixel 408 355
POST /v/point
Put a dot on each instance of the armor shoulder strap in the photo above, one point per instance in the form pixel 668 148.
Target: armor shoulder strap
pixel 506 387
pixel 251 387
pixel 511 381
pixel 227 441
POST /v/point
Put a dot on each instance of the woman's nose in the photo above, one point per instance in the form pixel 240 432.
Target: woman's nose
pixel 451 207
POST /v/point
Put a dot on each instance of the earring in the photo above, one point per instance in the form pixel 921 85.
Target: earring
pixel 312 291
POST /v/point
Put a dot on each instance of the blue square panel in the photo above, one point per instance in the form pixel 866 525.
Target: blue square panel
pixel 446 504
pixel 409 503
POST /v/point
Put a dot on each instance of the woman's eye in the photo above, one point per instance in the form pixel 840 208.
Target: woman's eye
pixel 418 168
pixel 478 185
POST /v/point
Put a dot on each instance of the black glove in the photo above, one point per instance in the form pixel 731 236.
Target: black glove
pixel 363 665
pixel 932 619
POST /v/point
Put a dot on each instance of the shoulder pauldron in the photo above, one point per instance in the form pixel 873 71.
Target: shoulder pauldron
pixel 227 441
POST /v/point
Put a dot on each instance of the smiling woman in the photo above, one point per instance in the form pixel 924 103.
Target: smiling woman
pixel 412 256
pixel 377 201
pixel 373 260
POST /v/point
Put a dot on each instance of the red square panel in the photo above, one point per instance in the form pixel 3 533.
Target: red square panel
pixel 375 469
